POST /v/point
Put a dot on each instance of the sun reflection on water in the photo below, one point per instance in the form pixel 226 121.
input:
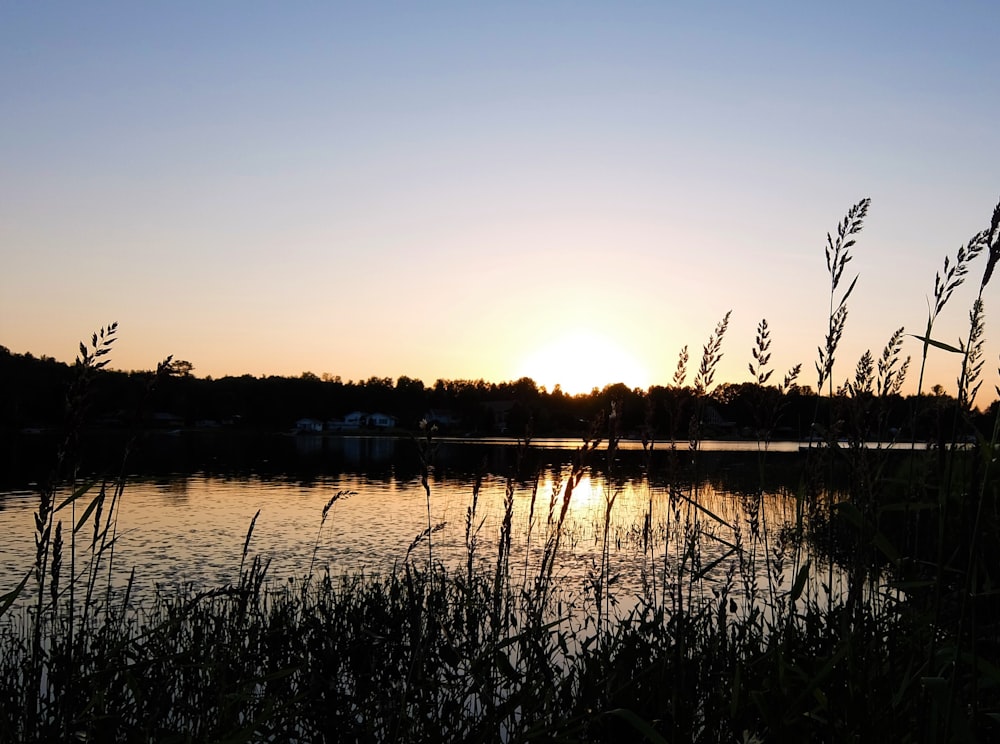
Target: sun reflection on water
pixel 191 529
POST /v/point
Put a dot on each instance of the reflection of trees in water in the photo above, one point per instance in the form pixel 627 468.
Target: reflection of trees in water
pixel 361 452
pixel 308 444
pixel 382 469
pixel 307 458
pixel 176 488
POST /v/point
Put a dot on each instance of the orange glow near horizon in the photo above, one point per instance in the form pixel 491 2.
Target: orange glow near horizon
pixel 583 360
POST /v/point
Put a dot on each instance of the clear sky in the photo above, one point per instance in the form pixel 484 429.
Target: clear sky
pixel 567 190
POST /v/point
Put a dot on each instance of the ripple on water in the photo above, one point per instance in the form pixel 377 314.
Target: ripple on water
pixel 193 528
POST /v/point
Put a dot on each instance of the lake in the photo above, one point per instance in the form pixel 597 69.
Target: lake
pixel 190 498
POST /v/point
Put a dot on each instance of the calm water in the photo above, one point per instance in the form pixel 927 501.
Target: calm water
pixel 191 498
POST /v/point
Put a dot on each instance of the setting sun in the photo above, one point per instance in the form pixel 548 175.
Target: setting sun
pixel 581 361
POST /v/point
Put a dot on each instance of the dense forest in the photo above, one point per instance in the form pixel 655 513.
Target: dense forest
pixel 34 391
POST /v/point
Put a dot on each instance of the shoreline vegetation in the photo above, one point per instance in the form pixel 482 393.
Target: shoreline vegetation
pixel 496 649
pixel 33 403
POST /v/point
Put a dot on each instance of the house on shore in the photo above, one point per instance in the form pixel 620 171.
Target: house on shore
pixel 715 425
pixel 357 420
pixel 442 418
pixel 381 421
pixel 164 420
pixel 308 426
pixel 500 413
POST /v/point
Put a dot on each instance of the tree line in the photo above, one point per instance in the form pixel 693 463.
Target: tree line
pixel 34 389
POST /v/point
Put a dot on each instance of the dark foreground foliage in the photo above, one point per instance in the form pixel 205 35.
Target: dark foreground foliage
pixel 421 656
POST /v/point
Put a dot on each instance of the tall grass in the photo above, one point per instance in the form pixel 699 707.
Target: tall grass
pixel 870 615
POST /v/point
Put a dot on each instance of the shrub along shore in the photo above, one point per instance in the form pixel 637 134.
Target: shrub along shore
pixel 497 649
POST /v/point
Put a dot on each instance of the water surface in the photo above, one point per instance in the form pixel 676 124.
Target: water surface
pixel 190 499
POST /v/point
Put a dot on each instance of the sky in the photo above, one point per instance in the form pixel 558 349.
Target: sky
pixel 571 191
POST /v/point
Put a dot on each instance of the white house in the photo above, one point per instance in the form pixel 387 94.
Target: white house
pixel 361 420
pixel 382 421
pixel 355 420
pixel 308 426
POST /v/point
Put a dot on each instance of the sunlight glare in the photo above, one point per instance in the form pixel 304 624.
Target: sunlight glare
pixel 581 361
